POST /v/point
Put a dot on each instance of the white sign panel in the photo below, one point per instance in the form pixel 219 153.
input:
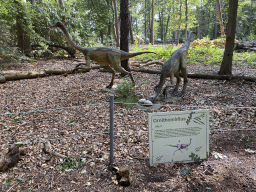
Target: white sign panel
pixel 178 136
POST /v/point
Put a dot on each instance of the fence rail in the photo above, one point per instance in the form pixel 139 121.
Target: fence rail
pixel 111 130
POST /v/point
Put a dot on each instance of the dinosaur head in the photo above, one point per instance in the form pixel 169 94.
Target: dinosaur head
pixel 58 24
pixel 189 35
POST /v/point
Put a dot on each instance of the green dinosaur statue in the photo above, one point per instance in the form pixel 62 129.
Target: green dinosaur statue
pixel 172 68
pixel 109 58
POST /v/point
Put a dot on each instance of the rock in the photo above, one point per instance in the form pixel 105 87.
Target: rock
pixel 145 102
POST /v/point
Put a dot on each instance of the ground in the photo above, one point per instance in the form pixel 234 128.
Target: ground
pixel 74 112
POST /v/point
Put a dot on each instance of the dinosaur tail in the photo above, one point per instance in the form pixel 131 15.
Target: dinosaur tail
pixel 126 55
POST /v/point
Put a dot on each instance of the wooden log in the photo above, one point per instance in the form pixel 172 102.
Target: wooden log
pixel 2 79
pixel 9 159
pixel 202 76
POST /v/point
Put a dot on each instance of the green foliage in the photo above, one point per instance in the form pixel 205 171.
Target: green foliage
pixel 125 91
pixel 245 57
pixel 186 171
pixel 206 54
pixel 126 88
pixel 194 157
pixel 127 101
pixel 70 164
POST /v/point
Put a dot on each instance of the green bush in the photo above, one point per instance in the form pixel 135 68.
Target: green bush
pixel 125 91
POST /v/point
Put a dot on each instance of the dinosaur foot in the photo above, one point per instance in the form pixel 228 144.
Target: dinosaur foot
pixel 80 69
pixel 180 94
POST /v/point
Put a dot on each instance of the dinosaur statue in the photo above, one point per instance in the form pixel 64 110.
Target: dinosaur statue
pixel 172 68
pixel 108 58
pixel 180 146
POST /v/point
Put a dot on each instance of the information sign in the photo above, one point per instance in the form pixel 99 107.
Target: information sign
pixel 178 136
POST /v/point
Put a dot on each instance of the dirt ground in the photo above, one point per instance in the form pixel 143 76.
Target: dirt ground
pixel 73 112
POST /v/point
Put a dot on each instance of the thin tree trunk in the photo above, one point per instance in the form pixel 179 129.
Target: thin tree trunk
pixel 186 19
pixel 23 37
pixel 152 24
pixel 116 25
pixel 216 20
pixel 166 29
pixel 124 31
pixel 145 15
pixel 178 31
pixel 220 18
pixel 131 30
pixel 226 65
pixel 250 19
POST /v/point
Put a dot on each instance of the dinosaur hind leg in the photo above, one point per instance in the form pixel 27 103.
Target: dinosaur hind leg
pixel 184 74
pixel 174 91
pixel 170 85
pixel 112 78
pixel 116 67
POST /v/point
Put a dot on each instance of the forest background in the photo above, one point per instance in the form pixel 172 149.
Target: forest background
pixel 26 24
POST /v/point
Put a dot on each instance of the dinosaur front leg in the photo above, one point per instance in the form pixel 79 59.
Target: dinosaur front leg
pixel 86 68
pixel 158 87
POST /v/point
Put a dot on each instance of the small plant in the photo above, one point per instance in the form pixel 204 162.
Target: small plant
pixel 126 88
pixel 186 171
pixel 125 92
pixel 70 164
pixel 194 157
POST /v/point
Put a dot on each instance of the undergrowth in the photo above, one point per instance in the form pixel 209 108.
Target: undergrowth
pixel 125 92
pixel 201 53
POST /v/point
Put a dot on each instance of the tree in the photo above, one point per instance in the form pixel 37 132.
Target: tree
pixel 186 19
pixel 124 31
pixel 23 37
pixel 250 19
pixel 116 25
pixel 226 65
pixel 220 17
pixel 152 25
pixel 179 25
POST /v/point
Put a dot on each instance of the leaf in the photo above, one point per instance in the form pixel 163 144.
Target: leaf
pixel 72 122
pixel 19 144
pixel 83 171
pixel 218 155
pixel 185 171
pixel 250 151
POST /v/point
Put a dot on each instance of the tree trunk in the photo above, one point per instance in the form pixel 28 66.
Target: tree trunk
pixel 23 37
pixel 166 29
pixel 226 65
pixel 198 20
pixel 250 19
pixel 178 31
pixel 116 25
pixel 145 15
pixel 131 30
pixel 152 24
pixel 124 31
pixel 220 18
pixel 186 19
pixel 216 20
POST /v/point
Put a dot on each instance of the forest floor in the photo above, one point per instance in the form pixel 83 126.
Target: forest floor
pixel 74 112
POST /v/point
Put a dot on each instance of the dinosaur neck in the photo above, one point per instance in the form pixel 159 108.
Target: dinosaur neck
pixel 65 32
pixel 188 40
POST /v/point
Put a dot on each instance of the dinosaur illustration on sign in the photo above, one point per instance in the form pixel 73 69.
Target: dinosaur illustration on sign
pixel 180 146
